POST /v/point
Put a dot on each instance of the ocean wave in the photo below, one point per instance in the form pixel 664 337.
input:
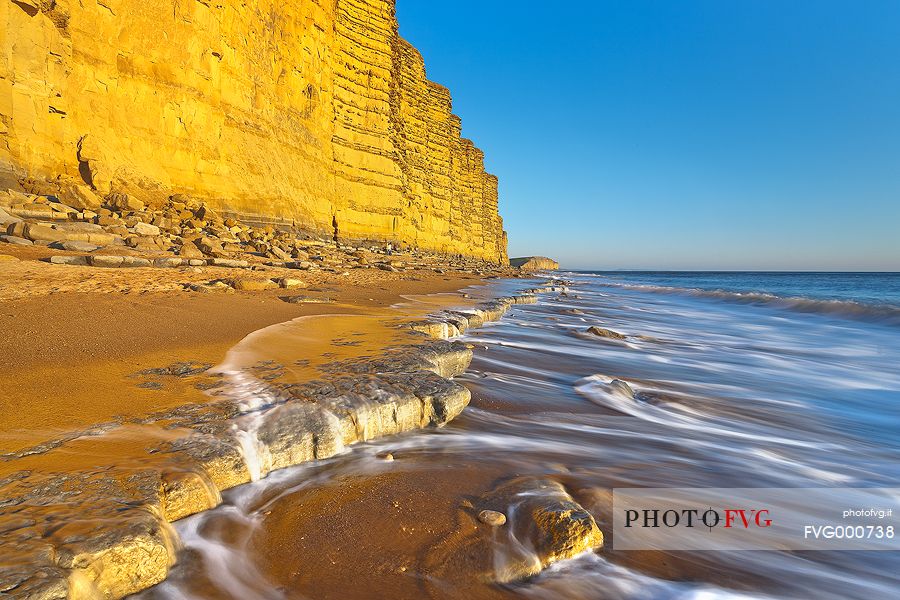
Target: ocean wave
pixel 887 314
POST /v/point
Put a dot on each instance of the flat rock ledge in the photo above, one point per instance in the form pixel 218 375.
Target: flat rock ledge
pixel 107 533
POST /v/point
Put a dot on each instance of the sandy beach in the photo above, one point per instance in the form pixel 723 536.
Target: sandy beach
pixel 75 337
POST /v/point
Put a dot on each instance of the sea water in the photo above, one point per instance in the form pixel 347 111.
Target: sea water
pixel 741 380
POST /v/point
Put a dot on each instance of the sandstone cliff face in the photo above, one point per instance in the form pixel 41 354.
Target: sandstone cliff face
pixel 311 112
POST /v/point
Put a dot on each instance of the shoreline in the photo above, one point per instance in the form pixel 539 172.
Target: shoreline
pixel 191 461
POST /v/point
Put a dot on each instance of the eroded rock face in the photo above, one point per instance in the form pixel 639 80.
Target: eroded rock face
pixel 338 130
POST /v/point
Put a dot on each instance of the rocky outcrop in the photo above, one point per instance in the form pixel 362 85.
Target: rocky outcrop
pixel 548 526
pixel 532 522
pixel 312 114
pixel 534 263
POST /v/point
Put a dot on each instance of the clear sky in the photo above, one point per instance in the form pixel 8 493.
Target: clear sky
pixel 681 134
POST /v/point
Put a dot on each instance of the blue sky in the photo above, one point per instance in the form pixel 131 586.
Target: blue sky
pixel 694 134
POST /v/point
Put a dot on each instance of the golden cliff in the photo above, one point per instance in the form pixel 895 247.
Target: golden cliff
pixel 313 113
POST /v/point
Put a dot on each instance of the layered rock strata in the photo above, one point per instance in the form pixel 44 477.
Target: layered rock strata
pixel 106 533
pixel 311 114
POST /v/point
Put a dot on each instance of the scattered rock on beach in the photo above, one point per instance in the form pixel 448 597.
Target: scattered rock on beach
pixel 146 229
pixel 289 283
pixel 230 263
pixel 83 198
pixel 75 246
pixel 204 288
pixel 179 369
pixel 124 202
pixel 69 260
pixel 306 300
pixel 6 218
pixel 252 285
pixel 109 262
pixel 15 240
pixel 168 262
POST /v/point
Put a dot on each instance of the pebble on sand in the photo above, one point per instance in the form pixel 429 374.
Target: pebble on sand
pixel 492 518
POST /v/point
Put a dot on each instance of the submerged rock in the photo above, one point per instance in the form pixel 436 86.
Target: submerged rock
pixel 621 387
pixel 605 333
pixel 547 526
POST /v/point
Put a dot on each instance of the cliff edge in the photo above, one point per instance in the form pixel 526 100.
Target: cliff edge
pixel 315 115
